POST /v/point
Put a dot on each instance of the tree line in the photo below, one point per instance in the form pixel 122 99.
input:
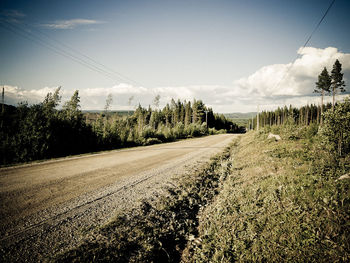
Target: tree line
pixel 327 84
pixel 331 121
pixel 41 131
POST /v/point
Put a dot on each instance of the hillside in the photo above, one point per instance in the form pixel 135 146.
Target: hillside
pixel 240 115
pixel 241 119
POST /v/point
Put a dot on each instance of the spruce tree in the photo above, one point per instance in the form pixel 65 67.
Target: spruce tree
pixel 323 85
pixel 188 113
pixel 337 80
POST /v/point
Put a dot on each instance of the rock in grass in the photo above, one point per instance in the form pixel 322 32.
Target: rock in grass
pixel 274 136
pixel 343 177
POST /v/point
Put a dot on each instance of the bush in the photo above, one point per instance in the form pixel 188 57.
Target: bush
pixel 336 129
pixel 150 141
pixel 148 132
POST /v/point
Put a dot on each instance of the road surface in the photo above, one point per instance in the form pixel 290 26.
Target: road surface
pixel 50 206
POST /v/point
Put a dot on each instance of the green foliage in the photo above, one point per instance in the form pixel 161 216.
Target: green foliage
pixel 336 129
pixel 305 115
pixel 324 82
pixel 41 131
pixel 337 77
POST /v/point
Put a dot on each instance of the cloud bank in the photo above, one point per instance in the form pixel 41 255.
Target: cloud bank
pixel 269 87
pixel 293 79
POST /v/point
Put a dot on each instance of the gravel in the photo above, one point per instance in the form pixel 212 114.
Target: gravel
pixel 41 234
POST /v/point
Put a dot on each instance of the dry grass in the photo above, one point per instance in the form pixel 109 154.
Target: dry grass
pixel 279 204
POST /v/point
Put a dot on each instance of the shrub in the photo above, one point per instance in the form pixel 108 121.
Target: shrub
pixel 336 129
pixel 150 141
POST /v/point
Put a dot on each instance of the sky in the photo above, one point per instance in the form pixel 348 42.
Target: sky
pixel 233 55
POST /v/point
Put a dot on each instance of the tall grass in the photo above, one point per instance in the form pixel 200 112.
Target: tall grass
pixel 282 203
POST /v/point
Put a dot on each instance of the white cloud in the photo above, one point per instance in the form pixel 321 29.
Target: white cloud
pixel 71 23
pixel 293 79
pixel 15 95
pixel 260 88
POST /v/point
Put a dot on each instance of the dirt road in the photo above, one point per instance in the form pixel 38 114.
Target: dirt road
pixel 47 207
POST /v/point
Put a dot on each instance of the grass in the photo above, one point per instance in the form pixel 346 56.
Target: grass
pixel 156 232
pixel 281 203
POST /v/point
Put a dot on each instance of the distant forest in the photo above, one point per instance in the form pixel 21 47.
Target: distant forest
pixel 305 115
pixel 327 84
pixel 41 131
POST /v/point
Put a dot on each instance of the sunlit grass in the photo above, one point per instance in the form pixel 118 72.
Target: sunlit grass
pixel 277 205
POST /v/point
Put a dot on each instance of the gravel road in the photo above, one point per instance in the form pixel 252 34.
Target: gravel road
pixel 48 207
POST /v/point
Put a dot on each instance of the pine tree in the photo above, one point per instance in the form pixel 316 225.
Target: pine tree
pixel 72 107
pixel 337 80
pixel 188 113
pixel 167 114
pixel 323 85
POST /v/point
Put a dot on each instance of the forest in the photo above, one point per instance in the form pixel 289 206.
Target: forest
pixel 41 131
pixel 331 119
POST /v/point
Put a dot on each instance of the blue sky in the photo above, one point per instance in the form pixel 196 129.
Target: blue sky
pixel 223 52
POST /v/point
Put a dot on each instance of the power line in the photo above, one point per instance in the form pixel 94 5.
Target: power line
pixel 29 36
pixel 69 55
pixel 306 42
pixel 118 74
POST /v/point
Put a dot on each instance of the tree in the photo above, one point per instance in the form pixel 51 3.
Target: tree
pixel 167 114
pixel 188 113
pixel 323 85
pixel 198 111
pixel 109 101
pixel 129 102
pixel 51 101
pixel 337 80
pixel 72 107
pixel 156 101
pixel 336 129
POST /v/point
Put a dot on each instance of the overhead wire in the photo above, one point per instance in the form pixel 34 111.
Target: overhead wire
pixel 27 35
pixel 306 42
pixel 108 69
pixel 87 62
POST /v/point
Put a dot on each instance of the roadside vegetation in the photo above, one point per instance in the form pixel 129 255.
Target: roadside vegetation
pixel 287 197
pixel 286 200
pixel 41 131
